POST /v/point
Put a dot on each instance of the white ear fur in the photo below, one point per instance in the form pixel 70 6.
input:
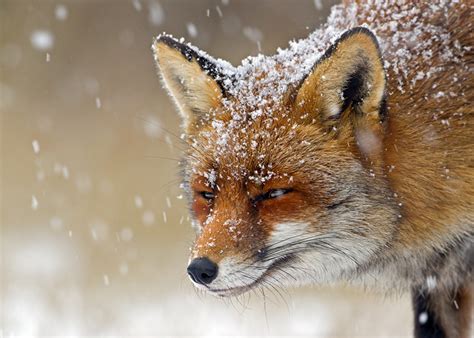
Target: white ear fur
pixel 188 77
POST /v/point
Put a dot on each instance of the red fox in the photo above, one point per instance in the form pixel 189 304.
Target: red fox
pixel 348 156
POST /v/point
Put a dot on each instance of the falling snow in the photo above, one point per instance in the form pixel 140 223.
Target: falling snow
pixel 65 172
pixel 156 16
pixel 192 30
pixel 99 230
pixel 148 217
pixel 137 5
pixel 36 146
pixel 152 127
pixel 123 269
pixel 126 234
pixel 253 34
pixel 423 318
pixel 61 12
pixel 138 200
pixel 42 40
pixel 34 203
pixel 219 11
pixel 318 4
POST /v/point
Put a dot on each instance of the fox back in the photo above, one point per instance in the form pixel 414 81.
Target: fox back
pixel 347 156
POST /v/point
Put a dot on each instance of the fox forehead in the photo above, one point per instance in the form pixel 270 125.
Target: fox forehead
pixel 256 150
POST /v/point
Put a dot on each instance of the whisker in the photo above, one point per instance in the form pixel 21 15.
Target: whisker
pixel 162 158
pixel 265 308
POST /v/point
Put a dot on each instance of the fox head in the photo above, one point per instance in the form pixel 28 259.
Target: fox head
pixel 284 164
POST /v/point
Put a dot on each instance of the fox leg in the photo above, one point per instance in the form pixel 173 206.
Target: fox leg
pixel 442 313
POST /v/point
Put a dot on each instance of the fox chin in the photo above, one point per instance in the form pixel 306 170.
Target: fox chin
pixel 348 156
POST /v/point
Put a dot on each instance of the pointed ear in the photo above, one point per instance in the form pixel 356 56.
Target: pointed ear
pixel 193 80
pixel 349 77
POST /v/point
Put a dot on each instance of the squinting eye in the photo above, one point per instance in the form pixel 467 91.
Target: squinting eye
pixel 207 195
pixel 274 193
pixel 277 192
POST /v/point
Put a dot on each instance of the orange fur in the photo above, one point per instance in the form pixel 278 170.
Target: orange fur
pixel 375 161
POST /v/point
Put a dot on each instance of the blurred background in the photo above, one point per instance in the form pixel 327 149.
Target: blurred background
pixel 94 233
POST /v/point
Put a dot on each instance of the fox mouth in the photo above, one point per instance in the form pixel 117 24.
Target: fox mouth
pixel 238 290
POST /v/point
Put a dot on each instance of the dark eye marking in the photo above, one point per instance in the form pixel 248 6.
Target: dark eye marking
pixel 207 195
pixel 271 194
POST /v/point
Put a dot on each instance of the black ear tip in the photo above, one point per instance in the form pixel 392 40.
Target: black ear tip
pixel 176 44
pixel 360 30
pixel 192 54
pixel 166 39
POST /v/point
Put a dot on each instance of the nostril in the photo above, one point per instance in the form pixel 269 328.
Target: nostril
pixel 205 277
pixel 202 270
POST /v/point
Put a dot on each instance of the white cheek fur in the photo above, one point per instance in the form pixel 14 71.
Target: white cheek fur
pixel 324 265
pixel 235 273
pixel 287 232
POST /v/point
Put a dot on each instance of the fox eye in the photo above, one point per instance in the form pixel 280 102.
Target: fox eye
pixel 207 195
pixel 273 193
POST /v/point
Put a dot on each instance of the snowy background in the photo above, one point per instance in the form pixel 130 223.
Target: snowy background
pixel 94 235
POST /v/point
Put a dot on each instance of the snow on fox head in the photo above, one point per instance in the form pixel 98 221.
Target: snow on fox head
pixel 283 167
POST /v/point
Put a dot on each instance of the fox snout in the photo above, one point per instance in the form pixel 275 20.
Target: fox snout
pixel 202 270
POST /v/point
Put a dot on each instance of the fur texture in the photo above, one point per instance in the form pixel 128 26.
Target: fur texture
pixel 362 169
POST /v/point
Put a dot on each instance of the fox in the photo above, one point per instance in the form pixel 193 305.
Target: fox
pixel 346 157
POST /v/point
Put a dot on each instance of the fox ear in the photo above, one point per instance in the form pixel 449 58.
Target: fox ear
pixel 349 75
pixel 194 81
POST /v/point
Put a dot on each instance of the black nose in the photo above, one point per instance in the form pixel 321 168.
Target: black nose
pixel 202 270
